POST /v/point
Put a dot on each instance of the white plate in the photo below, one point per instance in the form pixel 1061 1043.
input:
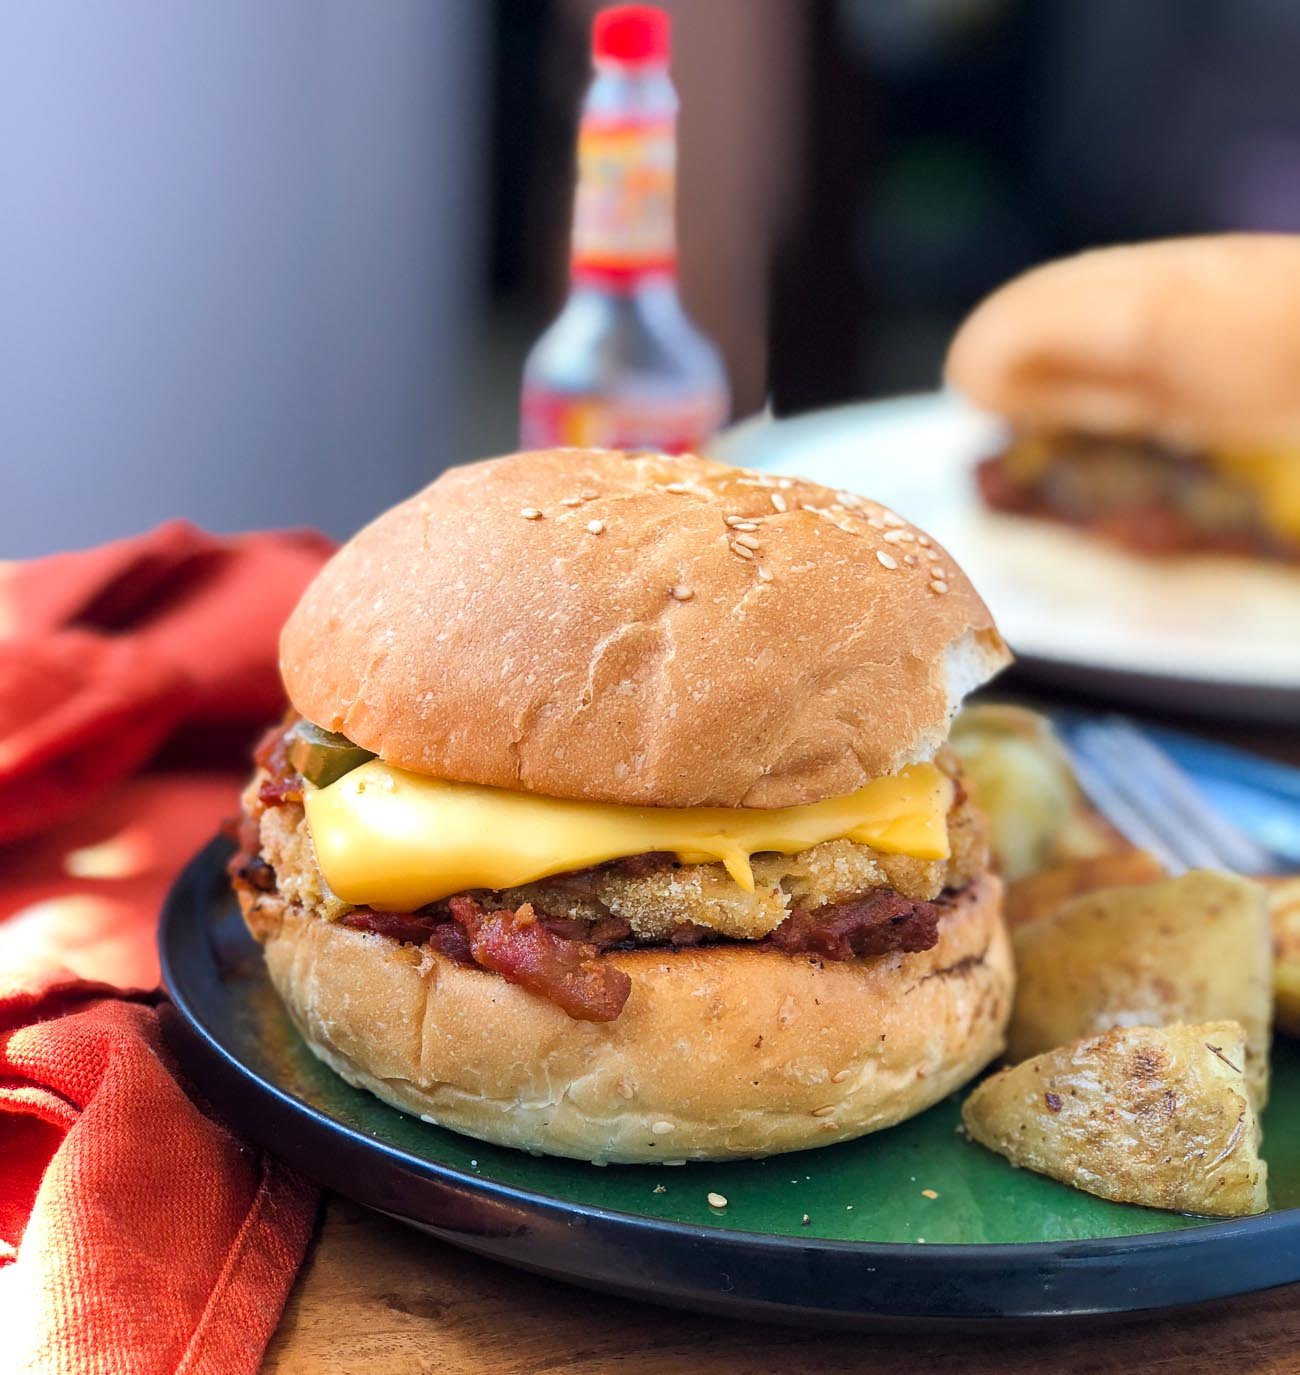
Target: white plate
pixel 1207 634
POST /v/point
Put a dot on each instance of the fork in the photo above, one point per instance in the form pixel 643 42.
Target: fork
pixel 1154 804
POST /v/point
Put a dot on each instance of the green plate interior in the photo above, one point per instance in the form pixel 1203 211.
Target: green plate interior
pixel 871 1190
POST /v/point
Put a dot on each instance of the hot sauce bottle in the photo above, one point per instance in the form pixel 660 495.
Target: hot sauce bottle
pixel 622 366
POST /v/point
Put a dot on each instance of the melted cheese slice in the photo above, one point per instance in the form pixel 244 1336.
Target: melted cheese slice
pixel 396 840
pixel 1273 475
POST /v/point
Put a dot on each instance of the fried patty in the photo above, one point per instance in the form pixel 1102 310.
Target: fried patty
pixel 1141 494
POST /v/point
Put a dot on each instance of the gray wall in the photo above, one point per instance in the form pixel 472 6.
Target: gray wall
pixel 238 245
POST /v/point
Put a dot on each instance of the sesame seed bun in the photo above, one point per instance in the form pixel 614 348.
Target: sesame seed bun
pixel 1188 341
pixel 640 629
pixel 722 1051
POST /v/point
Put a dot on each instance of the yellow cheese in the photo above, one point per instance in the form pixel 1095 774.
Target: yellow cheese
pixel 396 840
pixel 1273 475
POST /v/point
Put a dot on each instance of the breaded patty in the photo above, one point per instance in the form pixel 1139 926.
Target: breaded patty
pixel 656 898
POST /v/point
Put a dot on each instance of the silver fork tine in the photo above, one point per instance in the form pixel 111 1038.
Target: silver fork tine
pixel 1147 794
pixel 1236 849
pixel 1116 807
pixel 1170 801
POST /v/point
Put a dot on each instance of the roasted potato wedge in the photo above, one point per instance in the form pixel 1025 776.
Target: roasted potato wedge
pixel 1039 895
pixel 1284 916
pixel 1189 949
pixel 1153 1115
pixel 1021 778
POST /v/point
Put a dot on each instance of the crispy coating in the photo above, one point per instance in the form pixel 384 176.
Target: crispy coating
pixel 656 899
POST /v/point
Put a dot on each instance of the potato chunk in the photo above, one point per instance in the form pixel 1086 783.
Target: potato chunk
pixel 1021 778
pixel 1189 949
pixel 1039 895
pixel 1284 914
pixel 1153 1115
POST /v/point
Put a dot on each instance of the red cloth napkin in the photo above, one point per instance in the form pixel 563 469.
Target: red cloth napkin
pixel 137 1233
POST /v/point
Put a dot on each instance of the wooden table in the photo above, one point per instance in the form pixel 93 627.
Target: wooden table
pixel 377 1298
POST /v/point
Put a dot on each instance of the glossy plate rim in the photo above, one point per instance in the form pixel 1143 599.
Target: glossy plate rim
pixel 715 1269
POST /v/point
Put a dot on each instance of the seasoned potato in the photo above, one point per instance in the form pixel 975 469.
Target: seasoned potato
pixel 1189 949
pixel 1022 780
pixel 1039 895
pixel 1284 913
pixel 1153 1115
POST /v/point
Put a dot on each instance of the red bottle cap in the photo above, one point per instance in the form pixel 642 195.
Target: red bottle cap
pixel 631 34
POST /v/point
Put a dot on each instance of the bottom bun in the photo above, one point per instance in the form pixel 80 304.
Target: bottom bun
pixel 722 1051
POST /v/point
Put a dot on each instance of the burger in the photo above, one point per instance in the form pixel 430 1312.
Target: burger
pixel 1151 394
pixel 614 817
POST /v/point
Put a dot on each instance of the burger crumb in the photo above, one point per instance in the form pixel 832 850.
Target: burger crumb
pixel 717 1201
pixel 660 1189
pixel 806 1220
pixel 928 1193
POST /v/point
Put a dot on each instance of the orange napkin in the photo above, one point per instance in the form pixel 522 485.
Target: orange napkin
pixel 137 1233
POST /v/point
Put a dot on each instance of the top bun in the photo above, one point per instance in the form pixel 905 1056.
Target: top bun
pixel 1189 341
pixel 588 624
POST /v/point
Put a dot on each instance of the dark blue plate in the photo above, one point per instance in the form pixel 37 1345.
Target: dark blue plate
pixel 911 1226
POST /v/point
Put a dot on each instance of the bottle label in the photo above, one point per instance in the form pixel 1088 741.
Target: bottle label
pixel 623 215
pixel 562 420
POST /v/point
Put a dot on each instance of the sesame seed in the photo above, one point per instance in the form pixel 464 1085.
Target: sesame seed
pixel 939 586
pixel 764 574
pixel 928 1193
pixel 785 483
pixel 740 549
pixel 891 519
pixel 660 1128
pixel 681 593
pixel 717 1200
pixel 886 560
pixel 676 488
pixel 595 527
pixel 875 522
pixel 741 522
pixel 531 513
pixel 571 501
pixel 747 541
pixel 779 501
pixel 923 539
pixel 824 1111
pixel 899 536
pixel 910 560
pixel 590 496
pixel 625 1089
pixel 839 1076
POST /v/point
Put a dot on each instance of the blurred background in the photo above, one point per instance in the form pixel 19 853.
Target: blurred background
pixel 269 264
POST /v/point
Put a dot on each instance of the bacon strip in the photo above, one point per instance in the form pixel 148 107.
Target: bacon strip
pixel 874 925
pixel 520 948
pixel 414 929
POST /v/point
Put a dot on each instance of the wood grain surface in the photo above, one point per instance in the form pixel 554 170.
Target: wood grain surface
pixel 378 1298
